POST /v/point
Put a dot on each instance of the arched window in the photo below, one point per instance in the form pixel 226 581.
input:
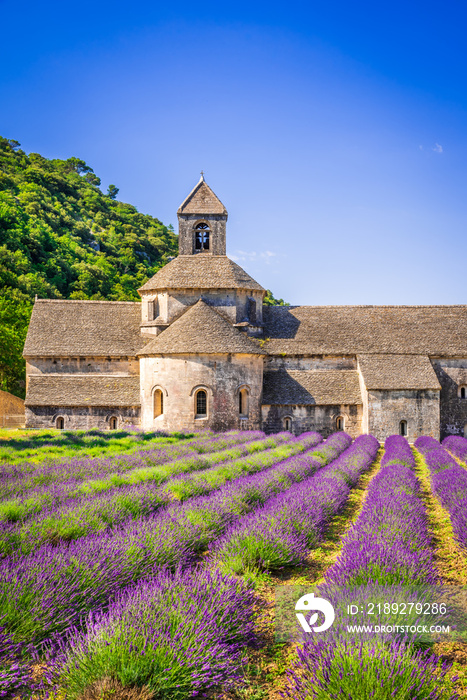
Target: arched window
pixel 243 403
pixel 463 392
pixel 287 422
pixel 202 237
pixel 113 423
pixel 403 428
pixel 60 423
pixel 340 423
pixel 201 404
pixel 158 403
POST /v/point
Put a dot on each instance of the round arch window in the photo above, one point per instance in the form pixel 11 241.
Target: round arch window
pixel 340 423
pixel 60 423
pixel 113 423
pixel 243 403
pixel 202 237
pixel 201 404
pixel 463 392
pixel 403 428
pixel 287 422
pixel 158 403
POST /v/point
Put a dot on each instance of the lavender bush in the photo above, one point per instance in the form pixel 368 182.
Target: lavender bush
pixel 389 542
pixel 387 545
pixel 364 670
pixel 177 634
pixel 449 483
pixel 457 445
pixel 289 525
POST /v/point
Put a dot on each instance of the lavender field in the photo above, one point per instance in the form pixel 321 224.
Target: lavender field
pixel 149 572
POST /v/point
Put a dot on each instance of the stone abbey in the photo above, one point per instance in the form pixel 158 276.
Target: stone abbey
pixel 200 351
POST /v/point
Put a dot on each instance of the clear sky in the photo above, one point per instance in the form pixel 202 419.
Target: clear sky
pixel 334 132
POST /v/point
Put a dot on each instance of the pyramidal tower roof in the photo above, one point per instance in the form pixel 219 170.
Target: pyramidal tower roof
pixel 201 272
pixel 202 200
pixel 201 329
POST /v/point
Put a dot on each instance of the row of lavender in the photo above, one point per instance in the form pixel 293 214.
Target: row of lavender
pixel 457 445
pixel 283 531
pixel 177 661
pixel 448 480
pixel 47 467
pixel 55 482
pixel 388 545
pixel 82 515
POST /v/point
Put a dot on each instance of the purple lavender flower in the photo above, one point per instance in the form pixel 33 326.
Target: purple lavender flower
pixel 457 445
pixel 449 483
pixel 284 530
pixel 389 542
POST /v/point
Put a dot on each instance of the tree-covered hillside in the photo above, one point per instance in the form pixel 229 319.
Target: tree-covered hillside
pixel 61 237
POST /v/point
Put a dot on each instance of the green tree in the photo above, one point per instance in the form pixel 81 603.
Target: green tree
pixel 270 300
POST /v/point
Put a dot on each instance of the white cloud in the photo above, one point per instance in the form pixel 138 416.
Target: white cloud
pixel 437 148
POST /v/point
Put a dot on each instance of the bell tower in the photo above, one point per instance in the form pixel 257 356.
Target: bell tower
pixel 202 220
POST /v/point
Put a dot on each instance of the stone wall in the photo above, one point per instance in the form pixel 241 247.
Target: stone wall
pixel 82 365
pixel 81 418
pixel 232 303
pixel 320 362
pixel 221 376
pixel 305 418
pixel 386 409
pixel 452 375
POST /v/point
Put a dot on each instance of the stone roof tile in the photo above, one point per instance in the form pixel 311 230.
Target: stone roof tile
pixel 83 328
pixel 202 200
pixel 201 330
pixel 397 372
pixel 82 390
pixel 311 387
pixel 202 271
pixel 316 330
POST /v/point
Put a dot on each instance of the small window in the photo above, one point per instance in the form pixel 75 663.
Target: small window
pixel 403 428
pixel 340 423
pixel 152 310
pixel 252 311
pixel 287 423
pixel 113 423
pixel 243 403
pixel 60 423
pixel 201 404
pixel 465 430
pixel 158 403
pixel 202 237
pixel 463 392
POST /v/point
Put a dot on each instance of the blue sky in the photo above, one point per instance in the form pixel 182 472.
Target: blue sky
pixel 335 133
